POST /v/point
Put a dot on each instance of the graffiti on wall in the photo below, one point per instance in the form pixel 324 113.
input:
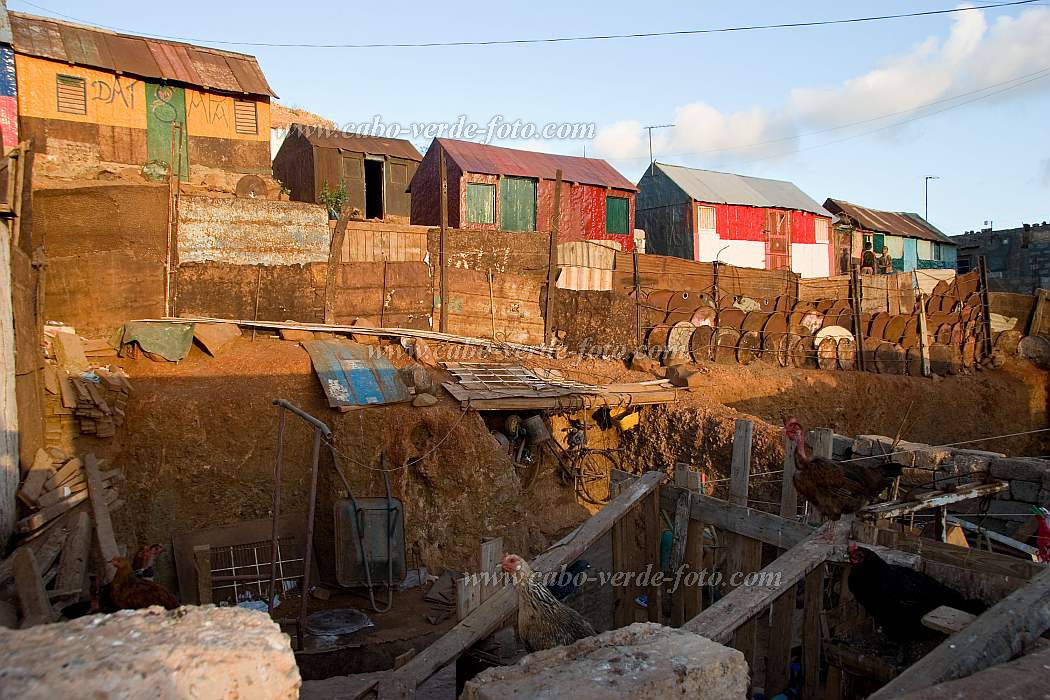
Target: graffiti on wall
pixel 114 91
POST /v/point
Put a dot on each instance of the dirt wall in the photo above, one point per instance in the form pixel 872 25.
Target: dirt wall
pixel 263 292
pixel 105 252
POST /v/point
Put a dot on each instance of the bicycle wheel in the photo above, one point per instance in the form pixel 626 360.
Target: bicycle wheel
pixel 594 469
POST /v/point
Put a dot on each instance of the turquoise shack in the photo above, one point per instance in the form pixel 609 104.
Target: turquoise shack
pixel 914 242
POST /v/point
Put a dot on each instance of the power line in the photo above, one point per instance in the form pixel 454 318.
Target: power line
pixel 563 39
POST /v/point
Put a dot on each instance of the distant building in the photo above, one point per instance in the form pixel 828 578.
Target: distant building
pixel 376 171
pixel 913 242
pixel 8 84
pixel 490 187
pixel 1018 259
pixel 88 96
pixel 745 221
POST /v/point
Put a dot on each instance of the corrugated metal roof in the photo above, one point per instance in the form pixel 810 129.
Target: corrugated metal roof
pixel 147 58
pixel 898 223
pixel 726 188
pixel 496 160
pixel 357 143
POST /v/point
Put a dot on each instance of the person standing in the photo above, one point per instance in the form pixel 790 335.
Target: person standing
pixel 867 260
pixel 885 262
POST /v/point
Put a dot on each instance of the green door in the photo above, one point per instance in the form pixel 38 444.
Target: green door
pixel 165 106
pixel 517 199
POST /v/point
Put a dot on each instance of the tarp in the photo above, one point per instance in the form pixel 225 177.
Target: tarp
pixel 172 341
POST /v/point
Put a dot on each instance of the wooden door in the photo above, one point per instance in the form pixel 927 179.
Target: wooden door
pixel 166 106
pixel 517 204
pixel 778 240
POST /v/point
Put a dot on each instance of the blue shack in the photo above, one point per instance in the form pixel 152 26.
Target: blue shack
pixel 914 242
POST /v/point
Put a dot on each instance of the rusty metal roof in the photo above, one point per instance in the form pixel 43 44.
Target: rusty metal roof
pixel 496 160
pixel 356 143
pixel 897 223
pixel 171 61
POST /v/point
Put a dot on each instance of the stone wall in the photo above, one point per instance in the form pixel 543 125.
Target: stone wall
pixel 1018 258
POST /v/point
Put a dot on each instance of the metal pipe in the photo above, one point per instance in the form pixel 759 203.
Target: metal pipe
pixel 308 553
pixel 325 430
pixel 277 469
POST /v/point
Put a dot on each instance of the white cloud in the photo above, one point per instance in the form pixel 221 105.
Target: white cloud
pixel 973 56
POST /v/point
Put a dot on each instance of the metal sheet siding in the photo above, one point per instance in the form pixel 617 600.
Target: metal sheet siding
pixel 496 160
pixel 728 188
pixel 146 58
pixel 357 143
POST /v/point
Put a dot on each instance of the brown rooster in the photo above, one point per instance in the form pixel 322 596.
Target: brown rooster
pixel 128 592
pixel 832 487
pixel 543 621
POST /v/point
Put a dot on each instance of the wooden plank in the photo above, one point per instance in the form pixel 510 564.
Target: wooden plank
pixel 1027 549
pixel 202 569
pixel 755 524
pixel 9 449
pixel 36 477
pixel 689 480
pixel 442 242
pixel 924 337
pixel 491 615
pixel 653 531
pixel 46 515
pixel 679 545
pixel 69 352
pixel 619 561
pixel 720 620
pixel 1018 680
pixel 552 261
pixel 107 543
pixel 32 597
pixel 966 492
pixel 947 619
pixel 813 603
pixel 997 636
pixel 781 628
pixel 64 473
pixel 491 553
pixel 468 596
pixel 745 553
pixel 73 563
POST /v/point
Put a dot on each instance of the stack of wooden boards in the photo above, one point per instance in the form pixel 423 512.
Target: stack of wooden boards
pixel 79 399
pixel 69 501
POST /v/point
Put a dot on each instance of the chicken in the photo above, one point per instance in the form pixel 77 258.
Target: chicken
pixel 142 562
pixel 835 488
pixel 129 592
pixel 567 581
pixel 897 597
pixel 543 621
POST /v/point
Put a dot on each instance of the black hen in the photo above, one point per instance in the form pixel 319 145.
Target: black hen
pixel 898 597
pixel 568 580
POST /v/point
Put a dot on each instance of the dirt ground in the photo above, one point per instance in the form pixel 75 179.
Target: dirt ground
pixel 198 448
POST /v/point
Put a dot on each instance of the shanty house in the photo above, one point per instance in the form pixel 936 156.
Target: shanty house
pixel 376 171
pixel 490 187
pixel 745 221
pixel 913 241
pixel 88 95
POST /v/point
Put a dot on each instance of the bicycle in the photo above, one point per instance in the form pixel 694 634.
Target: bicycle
pixel 589 469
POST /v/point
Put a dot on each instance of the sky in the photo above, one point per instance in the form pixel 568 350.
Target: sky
pixel 862 112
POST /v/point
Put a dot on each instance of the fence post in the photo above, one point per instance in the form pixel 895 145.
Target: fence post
pixel 637 302
pixel 856 298
pixel 982 265
pixel 746 554
pixel 552 260
pixel 442 258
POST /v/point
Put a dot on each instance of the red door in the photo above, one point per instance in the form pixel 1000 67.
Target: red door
pixel 778 240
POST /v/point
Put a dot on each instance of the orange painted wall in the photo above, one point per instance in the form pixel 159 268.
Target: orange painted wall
pixel 119 100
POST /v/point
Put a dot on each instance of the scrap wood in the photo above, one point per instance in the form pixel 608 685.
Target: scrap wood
pixel 107 542
pixel 36 477
pixel 73 562
pixel 32 596
pixel 45 515
pixel 544 350
pixel 51 382
pixel 46 550
pixel 65 472
pixel 69 352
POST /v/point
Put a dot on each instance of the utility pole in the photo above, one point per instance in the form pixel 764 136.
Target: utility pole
pixel 652 161
pixel 928 178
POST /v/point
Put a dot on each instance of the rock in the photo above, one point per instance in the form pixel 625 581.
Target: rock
pixel 205 652
pixel 685 376
pixel 1027 491
pixel 419 350
pixel 296 335
pixel 641 363
pixel 423 400
pixel 1024 468
pixel 416 375
pixel 1044 498
pixel 644 661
